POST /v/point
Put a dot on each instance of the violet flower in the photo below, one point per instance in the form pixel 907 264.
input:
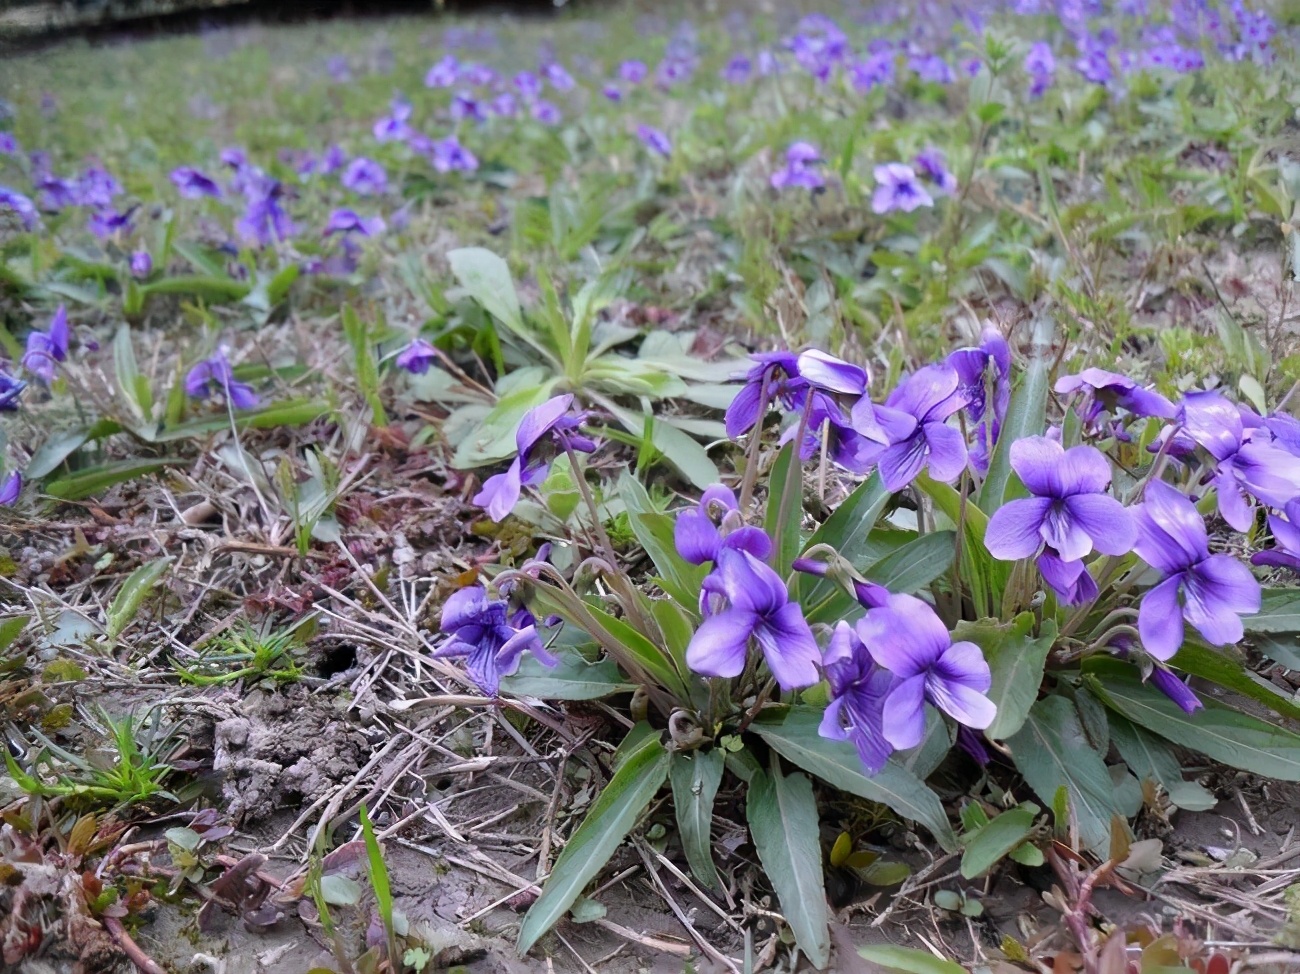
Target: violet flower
pixel 1069 511
pixel 529 85
pixel 192 184
pixel 265 219
pixel 141 264
pixel 443 74
pixel 365 176
pixel 1286 535
pixel 546 113
pixel 858 689
pixel 481 632
pixel 874 71
pixel 852 438
pixel 214 374
pixel 932 166
pixel 633 72
pixel 780 372
pixel 737 70
pixel 10 489
pixel 1040 65
pixel 1107 392
pixel 800 159
pixel 701 533
pixel 448 155
pixel 654 140
pixel 45 349
pixel 11 390
pixel 1070 580
pixel 979 368
pixel 557 77
pixel 1209 591
pixel 758 608
pixel 349 221
pixel 417 357
pixel 925 399
pixel 906 637
pixel 1248 465
pixel 22 206
pixel 1175 689
pixel 395 126
pixel 550 420
pixel 897 190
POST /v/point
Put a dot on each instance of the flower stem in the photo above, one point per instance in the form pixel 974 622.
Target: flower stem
pixel 751 448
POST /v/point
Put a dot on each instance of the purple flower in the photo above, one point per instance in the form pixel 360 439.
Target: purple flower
pixel 365 176
pixel 1175 689
pixel 654 140
pixel 921 437
pixel 214 373
pixel 96 187
pixel 11 390
pixel 551 419
pixel 737 70
pixel 1070 580
pixel 1286 534
pixel 106 222
pixel 546 113
pixel 476 73
pixel 858 689
pixel 417 357
pixel 633 72
pixel 141 264
pixel 1040 65
pixel 11 199
pixel 933 167
pixel 798 171
pixel 192 184
pixel 464 105
pixel 8 144
pixel 349 221
pixel 897 190
pixel 757 608
pixel 908 639
pixel 701 533
pixel 10 489
pixel 448 155
pixel 504 105
pixel 1070 511
pixel 984 368
pixel 875 70
pixel 443 74
pixel 395 126
pixel 47 348
pixel 1209 591
pixel 481 631
pixel 1108 391
pixel 1248 465
pixel 612 92
pixel 852 438
pixel 780 372
pixel 557 77
pixel 265 220
pixel 529 85
pixel 931 68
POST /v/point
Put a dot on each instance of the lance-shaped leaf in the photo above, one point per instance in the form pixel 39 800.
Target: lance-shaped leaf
pixel 1016 658
pixel 695 779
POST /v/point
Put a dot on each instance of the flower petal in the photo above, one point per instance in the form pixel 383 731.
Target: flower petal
pixel 960 702
pixel 947 450
pixel 1036 460
pixel 1013 530
pixel 789 647
pixel 1171 533
pixel 964 663
pixel 719 646
pixel 1105 520
pixel 500 492
pixel 905 636
pixel 904 713
pixel 1160 620
pixel 540 419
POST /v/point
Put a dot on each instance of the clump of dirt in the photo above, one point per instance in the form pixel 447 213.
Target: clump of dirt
pixel 281 749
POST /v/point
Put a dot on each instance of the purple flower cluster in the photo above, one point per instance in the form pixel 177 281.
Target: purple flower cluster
pixel 490 637
pixel 214 375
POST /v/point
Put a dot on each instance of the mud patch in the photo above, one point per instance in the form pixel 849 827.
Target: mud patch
pixel 282 749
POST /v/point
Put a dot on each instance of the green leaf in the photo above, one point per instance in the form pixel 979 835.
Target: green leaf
pixel 378 872
pixel 695 778
pixel 794 736
pixel 11 629
pixel 1224 734
pixel 784 508
pixel 1025 415
pixel 782 815
pixel 1220 669
pixel 635 644
pixel 93 480
pixel 573 678
pixel 916 564
pixel 1279 612
pixel 134 591
pixel 681 451
pixel 906 960
pixel 979 571
pixel 339 890
pixel 1152 759
pixel 1052 751
pixel 610 819
pixel 286 413
pixel 655 531
pixel 213 290
pixel 133 385
pixel 848 531
pixel 60 446
pixel 990 843
pixel 1016 660
pixel 487 279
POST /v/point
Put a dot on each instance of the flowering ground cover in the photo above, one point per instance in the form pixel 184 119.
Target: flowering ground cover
pixel 684 489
